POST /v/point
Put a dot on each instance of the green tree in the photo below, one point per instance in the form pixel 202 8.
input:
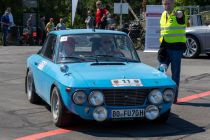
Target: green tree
pixel 62 8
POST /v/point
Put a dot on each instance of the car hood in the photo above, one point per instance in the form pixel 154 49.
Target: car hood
pixel 196 28
pixel 100 75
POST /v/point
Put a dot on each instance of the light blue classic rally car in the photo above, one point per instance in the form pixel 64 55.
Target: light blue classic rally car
pixel 96 75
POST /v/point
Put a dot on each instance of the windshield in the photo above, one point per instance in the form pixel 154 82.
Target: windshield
pixel 96 47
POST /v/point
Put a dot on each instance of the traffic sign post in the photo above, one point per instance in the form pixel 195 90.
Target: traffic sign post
pixel 121 8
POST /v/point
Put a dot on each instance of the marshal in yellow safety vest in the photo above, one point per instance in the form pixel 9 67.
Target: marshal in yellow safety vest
pixel 171 30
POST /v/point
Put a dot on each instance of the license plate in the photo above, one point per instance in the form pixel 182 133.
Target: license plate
pixel 127 113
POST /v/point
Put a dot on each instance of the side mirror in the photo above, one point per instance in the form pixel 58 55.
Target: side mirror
pixel 64 68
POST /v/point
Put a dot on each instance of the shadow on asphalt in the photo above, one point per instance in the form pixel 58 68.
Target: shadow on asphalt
pixel 195 104
pixel 133 129
pixel 175 126
pixel 199 57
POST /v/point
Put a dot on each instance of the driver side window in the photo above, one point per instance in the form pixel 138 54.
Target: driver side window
pixel 49 47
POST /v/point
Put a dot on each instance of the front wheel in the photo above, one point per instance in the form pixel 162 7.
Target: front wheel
pixel 30 89
pixel 193 48
pixel 60 116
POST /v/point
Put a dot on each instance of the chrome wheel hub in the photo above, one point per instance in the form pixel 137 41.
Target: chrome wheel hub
pixel 192 47
pixel 55 107
pixel 29 86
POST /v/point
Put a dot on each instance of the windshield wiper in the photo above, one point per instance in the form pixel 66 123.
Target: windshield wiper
pixel 72 57
pixel 95 57
pixel 105 55
pixel 127 60
pixel 92 57
pixel 117 57
pixel 112 56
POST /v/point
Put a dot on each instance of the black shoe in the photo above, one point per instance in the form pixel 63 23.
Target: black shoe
pixel 175 101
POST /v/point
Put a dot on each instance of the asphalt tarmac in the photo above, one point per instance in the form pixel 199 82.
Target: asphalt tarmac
pixel 20 120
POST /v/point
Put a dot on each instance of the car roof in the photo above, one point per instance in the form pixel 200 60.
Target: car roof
pixel 84 31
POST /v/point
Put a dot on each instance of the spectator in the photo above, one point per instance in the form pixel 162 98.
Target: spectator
pixel 0 24
pixel 101 15
pixel 42 29
pixel 89 20
pixel 61 25
pixel 111 22
pixel 50 26
pixel 11 20
pixel 29 23
pixel 172 40
pixel 5 23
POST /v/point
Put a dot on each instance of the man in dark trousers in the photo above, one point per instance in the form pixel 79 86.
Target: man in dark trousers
pixel 173 39
pixel 5 23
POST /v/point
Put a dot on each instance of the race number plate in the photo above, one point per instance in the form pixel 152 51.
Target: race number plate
pixel 127 113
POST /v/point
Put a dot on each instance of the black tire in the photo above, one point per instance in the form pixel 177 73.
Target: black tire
pixel 193 47
pixel 30 89
pixel 163 118
pixel 60 116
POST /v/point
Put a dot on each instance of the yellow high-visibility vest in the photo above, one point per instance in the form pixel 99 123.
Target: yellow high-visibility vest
pixel 171 30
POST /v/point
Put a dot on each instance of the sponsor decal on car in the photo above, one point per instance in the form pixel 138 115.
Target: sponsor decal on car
pixel 63 38
pixel 42 65
pixel 126 82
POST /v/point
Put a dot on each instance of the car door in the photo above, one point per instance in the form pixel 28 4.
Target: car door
pixel 38 64
pixel 207 40
pixel 44 65
pixel 48 72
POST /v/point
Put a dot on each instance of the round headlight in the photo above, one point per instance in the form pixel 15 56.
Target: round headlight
pixel 152 112
pixel 155 97
pixel 79 97
pixel 96 98
pixel 168 95
pixel 100 114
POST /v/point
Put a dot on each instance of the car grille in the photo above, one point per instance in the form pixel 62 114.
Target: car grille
pixel 123 97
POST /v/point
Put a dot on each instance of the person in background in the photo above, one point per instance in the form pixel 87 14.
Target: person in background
pixel 101 15
pixel 172 39
pixel 5 23
pixel 61 25
pixel 0 24
pixel 111 22
pixel 50 26
pixel 89 20
pixel 29 23
pixel 42 29
pixel 11 20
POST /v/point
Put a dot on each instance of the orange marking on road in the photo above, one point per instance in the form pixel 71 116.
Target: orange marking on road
pixel 192 97
pixel 44 134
